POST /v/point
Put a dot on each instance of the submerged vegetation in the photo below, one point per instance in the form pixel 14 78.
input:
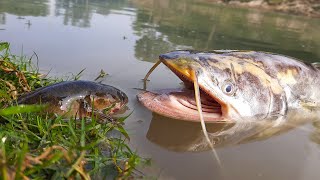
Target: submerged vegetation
pixel 33 146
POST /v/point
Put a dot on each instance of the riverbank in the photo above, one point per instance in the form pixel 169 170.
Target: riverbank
pixel 310 8
pixel 37 146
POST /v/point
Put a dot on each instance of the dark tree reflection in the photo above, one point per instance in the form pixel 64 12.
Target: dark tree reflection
pixel 201 25
pixel 79 12
pixel 2 18
pixel 25 7
pixel 150 46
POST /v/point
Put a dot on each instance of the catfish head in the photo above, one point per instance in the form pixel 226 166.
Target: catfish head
pixel 235 83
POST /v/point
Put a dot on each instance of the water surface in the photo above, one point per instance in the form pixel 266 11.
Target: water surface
pixel 124 39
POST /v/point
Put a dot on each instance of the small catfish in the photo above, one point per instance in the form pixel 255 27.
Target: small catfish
pixel 79 99
pixel 235 86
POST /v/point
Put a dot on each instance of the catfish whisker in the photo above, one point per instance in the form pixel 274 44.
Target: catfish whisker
pixel 151 70
pixel 203 125
pixel 145 79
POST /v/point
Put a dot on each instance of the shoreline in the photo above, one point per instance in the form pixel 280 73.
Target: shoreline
pixel 309 8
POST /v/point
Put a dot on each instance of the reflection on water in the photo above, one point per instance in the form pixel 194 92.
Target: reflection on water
pixel 151 44
pixel 25 7
pixel 22 8
pixel 122 37
pixel 315 136
pixel 184 136
pixel 203 27
pixel 79 12
pixel 2 18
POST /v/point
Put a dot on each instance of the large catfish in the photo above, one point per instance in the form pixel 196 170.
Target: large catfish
pixel 236 86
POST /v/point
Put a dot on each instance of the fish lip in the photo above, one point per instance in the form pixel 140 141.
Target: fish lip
pixel 167 102
pixel 185 74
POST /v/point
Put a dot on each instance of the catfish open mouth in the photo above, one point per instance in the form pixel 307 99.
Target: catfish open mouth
pixel 181 103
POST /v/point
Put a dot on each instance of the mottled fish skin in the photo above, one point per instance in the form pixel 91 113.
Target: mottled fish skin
pixel 264 84
pixel 70 97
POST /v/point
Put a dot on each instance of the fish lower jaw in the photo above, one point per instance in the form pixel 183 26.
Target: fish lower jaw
pixel 181 106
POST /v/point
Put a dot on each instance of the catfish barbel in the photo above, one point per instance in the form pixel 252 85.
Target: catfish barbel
pixel 235 86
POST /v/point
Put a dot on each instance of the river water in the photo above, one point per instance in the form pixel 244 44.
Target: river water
pixel 124 38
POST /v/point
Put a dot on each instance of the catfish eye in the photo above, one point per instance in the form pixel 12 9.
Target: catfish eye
pixel 228 88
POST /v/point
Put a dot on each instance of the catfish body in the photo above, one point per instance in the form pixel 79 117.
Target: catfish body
pixel 78 98
pixel 248 85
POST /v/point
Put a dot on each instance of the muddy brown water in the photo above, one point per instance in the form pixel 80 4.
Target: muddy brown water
pixel 124 39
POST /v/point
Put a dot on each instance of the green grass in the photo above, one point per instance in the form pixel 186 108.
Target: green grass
pixel 38 147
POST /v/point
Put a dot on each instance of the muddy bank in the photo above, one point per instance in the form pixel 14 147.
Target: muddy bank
pixel 309 8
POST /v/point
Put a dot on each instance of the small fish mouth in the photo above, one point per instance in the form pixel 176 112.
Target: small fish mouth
pixel 181 103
